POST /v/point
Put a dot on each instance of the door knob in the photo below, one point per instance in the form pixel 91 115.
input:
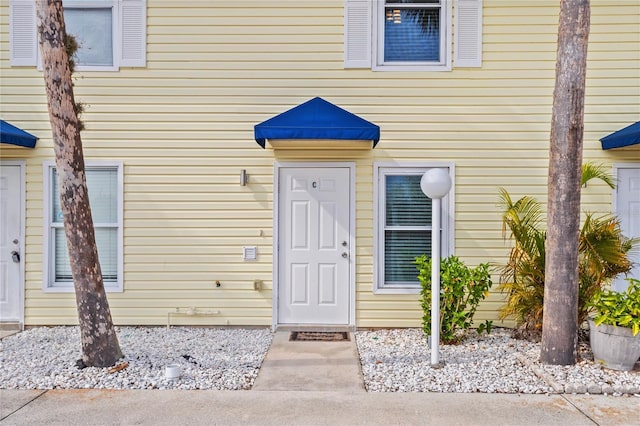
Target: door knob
pixel 15 256
pixel 345 255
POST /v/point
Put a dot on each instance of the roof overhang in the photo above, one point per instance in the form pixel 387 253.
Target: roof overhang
pixel 11 134
pixel 628 136
pixel 322 122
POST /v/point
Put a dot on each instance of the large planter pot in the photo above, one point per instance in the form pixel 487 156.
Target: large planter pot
pixel 614 347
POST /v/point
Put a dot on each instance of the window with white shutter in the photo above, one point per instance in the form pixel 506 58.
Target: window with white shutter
pixel 104 183
pixel 110 33
pixel 412 35
pixel 403 226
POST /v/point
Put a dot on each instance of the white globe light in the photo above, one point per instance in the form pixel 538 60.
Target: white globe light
pixel 435 183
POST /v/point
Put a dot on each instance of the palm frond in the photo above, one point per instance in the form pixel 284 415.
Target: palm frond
pixel 521 217
pixel 596 171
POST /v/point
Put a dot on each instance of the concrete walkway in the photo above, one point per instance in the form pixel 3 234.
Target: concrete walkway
pixel 309 383
pixel 310 366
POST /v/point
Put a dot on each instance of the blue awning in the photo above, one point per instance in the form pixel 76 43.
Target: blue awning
pixel 15 136
pixel 317 119
pixel 630 135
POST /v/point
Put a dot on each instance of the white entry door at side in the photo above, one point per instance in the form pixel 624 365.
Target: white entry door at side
pixel 628 210
pixel 314 245
pixel 11 193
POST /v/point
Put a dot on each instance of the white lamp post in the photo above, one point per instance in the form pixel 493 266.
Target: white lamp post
pixel 435 184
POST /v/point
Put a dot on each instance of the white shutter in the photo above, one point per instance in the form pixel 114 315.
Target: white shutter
pixel 23 39
pixel 357 33
pixel 133 33
pixel 468 33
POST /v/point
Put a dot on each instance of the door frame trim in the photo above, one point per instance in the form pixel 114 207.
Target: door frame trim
pixel 276 231
pixel 22 164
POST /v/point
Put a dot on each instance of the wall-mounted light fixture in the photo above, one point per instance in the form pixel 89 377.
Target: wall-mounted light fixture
pixel 244 177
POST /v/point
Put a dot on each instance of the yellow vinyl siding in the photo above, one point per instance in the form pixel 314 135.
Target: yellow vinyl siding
pixel 183 128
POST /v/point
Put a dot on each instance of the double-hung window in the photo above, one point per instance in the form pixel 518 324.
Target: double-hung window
pixel 413 35
pixel 110 33
pixel 403 226
pixel 104 183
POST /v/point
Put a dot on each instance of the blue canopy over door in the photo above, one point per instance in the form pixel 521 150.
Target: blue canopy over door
pixel 317 119
pixel 12 135
pixel 630 135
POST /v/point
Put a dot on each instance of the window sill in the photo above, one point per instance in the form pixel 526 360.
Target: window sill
pixel 392 290
pixel 412 68
pixel 65 288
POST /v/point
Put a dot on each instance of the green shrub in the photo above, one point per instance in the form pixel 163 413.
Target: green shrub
pixel 619 309
pixel 603 254
pixel 461 289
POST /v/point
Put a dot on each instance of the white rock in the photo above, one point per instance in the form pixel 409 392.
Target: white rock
pixel 494 363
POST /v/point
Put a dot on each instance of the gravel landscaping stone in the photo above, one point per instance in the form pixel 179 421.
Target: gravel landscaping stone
pixel 393 360
pixel 209 358
pixel 399 360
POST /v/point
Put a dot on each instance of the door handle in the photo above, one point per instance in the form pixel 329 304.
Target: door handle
pixel 15 256
pixel 345 255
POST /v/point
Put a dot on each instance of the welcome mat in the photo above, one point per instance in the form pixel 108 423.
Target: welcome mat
pixel 319 336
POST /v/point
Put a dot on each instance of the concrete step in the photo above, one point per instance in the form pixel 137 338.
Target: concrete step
pixel 10 326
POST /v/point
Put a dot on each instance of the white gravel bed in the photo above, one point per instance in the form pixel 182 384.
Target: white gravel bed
pixel 399 360
pixel 393 360
pixel 209 358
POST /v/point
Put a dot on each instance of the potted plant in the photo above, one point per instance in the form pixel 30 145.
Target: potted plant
pixel 615 328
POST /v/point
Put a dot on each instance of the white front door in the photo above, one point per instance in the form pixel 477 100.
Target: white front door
pixel 628 210
pixel 314 238
pixel 11 192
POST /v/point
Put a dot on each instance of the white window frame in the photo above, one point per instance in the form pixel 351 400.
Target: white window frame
pixel 446 29
pixel 382 169
pixel 49 284
pixel 129 33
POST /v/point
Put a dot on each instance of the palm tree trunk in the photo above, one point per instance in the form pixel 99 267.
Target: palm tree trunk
pixel 100 346
pixel 559 325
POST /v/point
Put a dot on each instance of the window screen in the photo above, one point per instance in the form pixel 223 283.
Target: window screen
pixel 407 229
pixel 412 31
pixel 93 30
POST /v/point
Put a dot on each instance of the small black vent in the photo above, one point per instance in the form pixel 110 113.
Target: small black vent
pixel 319 336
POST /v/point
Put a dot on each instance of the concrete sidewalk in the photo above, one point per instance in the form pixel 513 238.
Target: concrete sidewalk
pixel 155 407
pixel 309 383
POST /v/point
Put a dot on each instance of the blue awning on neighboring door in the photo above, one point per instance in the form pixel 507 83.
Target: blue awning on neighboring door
pixel 12 135
pixel 317 119
pixel 630 135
